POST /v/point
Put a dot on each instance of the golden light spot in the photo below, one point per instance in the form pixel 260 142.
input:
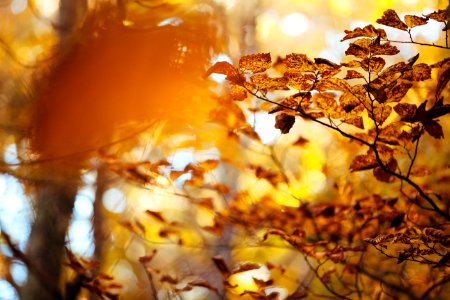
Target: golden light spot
pixel 244 280
pixel 47 7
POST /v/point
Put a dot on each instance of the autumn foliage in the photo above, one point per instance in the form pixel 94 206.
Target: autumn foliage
pixel 379 231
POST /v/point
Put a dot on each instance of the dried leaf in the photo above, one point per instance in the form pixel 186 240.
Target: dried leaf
pixel 405 110
pixel 419 72
pixel 333 84
pixel 363 162
pixel 238 92
pixel 380 113
pixel 147 258
pixel 367 31
pixel 385 49
pixel 155 214
pixel 440 15
pixel 284 122
pixel 300 142
pixel 420 171
pixel 373 64
pixel 298 81
pixel 255 63
pixel 220 264
pixel 299 63
pixel 413 21
pixel 434 129
pixel 244 267
pixel 351 74
pixel 266 83
pixel 397 93
pixel 391 19
pixel 225 68
pixel 443 79
pixel 384 176
pixel 169 279
pixel 360 48
pixel 356 121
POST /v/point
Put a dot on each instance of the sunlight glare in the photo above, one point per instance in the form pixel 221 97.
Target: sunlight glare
pixel 294 24
pixel 114 200
pixel 18 6
pixel 47 7
pixel 244 280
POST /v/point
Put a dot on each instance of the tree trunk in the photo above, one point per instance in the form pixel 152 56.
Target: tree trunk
pixel 55 194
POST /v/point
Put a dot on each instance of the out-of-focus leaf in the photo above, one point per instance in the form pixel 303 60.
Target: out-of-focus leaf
pixel 244 267
pixel 301 141
pixel 367 31
pixel 420 171
pixel 297 295
pixel 397 220
pixel 284 122
pixel 220 264
pixel 255 63
pixel 444 77
pixel 155 214
pixel 391 19
pixel 147 258
pixel 413 21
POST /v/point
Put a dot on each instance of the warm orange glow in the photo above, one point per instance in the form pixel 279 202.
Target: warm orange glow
pixel 119 75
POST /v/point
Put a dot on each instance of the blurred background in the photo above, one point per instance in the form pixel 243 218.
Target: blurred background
pixel 28 37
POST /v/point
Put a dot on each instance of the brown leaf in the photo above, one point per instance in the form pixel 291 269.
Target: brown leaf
pixel 352 64
pixel 219 261
pixel 225 68
pixel 444 77
pixel 169 279
pixel 244 267
pixel 255 63
pixel 356 121
pixel 367 31
pixel 363 162
pixel 413 21
pixel 405 110
pixel 147 258
pixel 300 142
pixel 299 63
pixel 385 49
pixel 380 113
pixel 384 176
pixel 434 129
pixel 360 48
pixel 297 295
pixel 284 122
pixel 351 74
pixel 373 64
pixel 420 171
pixel 391 19
pixel 399 91
pixel 334 84
pixel 273 177
pixel 200 283
pixel 440 15
pixel 419 72
pixel 155 214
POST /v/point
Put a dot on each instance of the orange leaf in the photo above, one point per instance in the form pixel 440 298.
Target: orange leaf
pixel 255 63
pixel 266 83
pixel 413 21
pixel 301 141
pixel 356 121
pixel 367 31
pixel 405 110
pixel 391 19
pixel 420 171
pixel 384 176
pixel 225 68
pixel 238 92
pixel 299 63
pixel 373 64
